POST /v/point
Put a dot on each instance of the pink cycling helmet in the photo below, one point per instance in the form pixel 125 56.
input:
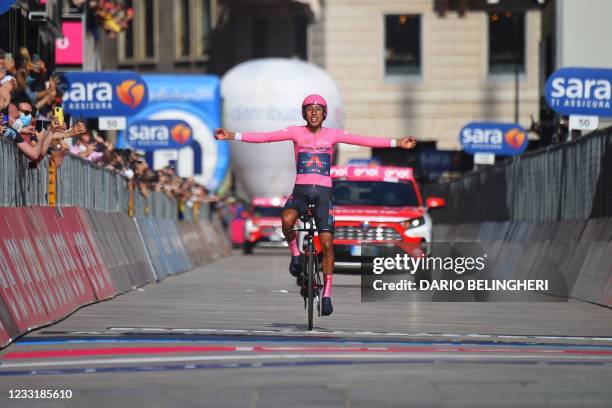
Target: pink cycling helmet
pixel 314 99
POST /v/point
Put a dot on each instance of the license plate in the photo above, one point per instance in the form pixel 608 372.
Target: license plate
pixel 355 250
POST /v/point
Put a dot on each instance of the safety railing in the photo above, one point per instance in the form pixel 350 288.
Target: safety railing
pixel 78 182
pixel 568 181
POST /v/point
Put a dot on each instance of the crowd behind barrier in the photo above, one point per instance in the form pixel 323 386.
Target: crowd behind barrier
pixel 79 233
pixel 84 184
pixel 568 181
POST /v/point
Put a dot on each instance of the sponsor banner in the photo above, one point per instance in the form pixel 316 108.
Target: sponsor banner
pixel 380 173
pixel 95 94
pixel 69 49
pixel 153 246
pixel 77 232
pixel 501 139
pixel 18 288
pixel 208 240
pixel 69 290
pixel 150 135
pixel 110 249
pixel 580 91
pixel 109 288
pixel 195 100
pixel 138 267
pixel 173 246
pixel 5 5
pixel 74 278
pixel 193 243
pixel 8 331
pixel 222 241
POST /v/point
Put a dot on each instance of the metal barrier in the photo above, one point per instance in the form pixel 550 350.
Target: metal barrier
pixel 20 185
pixel 569 181
pixel 156 205
pixel 79 183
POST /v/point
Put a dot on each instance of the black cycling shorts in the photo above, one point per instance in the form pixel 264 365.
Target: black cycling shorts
pixel 321 197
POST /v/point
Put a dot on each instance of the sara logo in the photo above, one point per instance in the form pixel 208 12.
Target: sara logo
pixel 580 91
pixel 181 134
pixel 130 93
pixel 149 135
pixel 503 139
pixel 515 138
pixel 95 94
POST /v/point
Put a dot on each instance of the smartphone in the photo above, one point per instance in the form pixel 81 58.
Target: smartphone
pixel 8 56
pixel 59 114
pixel 41 125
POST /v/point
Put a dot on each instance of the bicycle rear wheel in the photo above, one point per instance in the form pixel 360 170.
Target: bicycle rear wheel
pixel 311 283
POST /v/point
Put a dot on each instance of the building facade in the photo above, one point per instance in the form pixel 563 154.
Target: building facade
pixel 405 68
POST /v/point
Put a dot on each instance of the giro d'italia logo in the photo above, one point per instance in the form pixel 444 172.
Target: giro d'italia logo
pixel 130 93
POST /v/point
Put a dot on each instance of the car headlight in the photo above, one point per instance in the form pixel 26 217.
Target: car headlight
pixel 250 226
pixel 413 223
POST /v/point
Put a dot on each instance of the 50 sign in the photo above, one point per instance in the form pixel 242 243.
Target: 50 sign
pixel 577 122
pixel 112 123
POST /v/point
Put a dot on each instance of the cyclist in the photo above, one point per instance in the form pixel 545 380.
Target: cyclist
pixel 313 146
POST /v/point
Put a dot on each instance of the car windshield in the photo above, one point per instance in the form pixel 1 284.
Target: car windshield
pixel 259 211
pixel 374 193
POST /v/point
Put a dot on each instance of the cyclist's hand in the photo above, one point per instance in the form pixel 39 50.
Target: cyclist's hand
pixel 407 143
pixel 222 134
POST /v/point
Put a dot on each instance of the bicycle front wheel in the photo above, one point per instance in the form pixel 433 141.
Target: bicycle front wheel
pixel 311 290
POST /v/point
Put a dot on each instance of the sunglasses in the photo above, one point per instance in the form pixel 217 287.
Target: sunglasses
pixel 25 112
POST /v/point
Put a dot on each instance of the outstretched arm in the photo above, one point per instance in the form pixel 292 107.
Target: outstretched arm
pixel 370 141
pixel 278 136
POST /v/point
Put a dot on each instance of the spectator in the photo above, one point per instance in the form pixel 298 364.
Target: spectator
pixel 87 150
pixel 22 131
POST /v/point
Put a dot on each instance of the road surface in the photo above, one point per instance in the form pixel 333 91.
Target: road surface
pixel 233 334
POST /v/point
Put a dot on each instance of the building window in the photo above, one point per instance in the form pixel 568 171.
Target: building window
pixel 301 37
pixel 183 28
pixel 402 44
pixel 138 42
pixel 128 36
pixel 506 42
pixel 149 28
pixel 205 27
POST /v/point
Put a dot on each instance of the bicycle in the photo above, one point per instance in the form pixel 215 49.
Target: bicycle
pixel 311 282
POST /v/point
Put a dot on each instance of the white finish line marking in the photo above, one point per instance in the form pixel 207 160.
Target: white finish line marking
pixel 327 356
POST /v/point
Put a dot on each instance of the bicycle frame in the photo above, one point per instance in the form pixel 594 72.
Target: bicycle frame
pixel 312 278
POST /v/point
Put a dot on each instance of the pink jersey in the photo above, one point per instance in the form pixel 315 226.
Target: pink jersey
pixel 314 151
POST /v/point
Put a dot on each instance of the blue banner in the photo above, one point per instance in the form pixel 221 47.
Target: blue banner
pixel 5 5
pixel 439 160
pixel 150 135
pixel 502 139
pixel 195 100
pixel 580 91
pixel 95 94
